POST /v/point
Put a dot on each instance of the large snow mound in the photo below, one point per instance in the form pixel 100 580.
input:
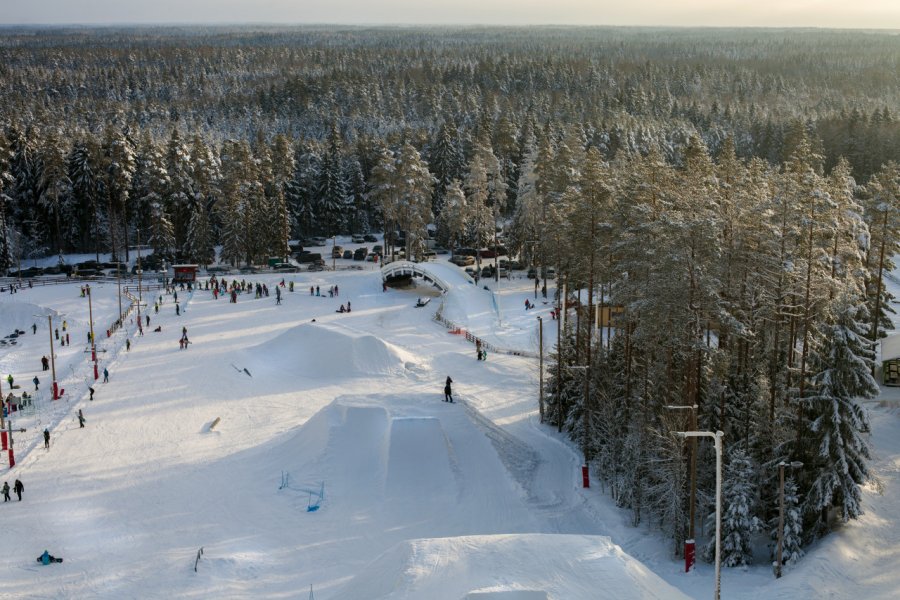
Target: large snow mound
pixel 326 352
pixel 21 315
pixel 507 567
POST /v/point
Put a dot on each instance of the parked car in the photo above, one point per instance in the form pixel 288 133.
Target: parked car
pixel 470 271
pixel 360 253
pixel 317 241
pixel 318 265
pixel 357 239
pixel 285 268
pixel 463 261
pixel 369 238
pixel 465 252
pixel 337 251
pixel 309 257
pixel 348 254
pixel 487 253
pixel 377 249
pixel 514 265
pixel 440 250
pixel 532 272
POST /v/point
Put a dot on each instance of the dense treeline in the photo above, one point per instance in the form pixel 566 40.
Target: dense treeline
pixel 733 192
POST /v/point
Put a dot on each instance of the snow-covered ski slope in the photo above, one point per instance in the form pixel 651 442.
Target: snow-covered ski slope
pixel 422 499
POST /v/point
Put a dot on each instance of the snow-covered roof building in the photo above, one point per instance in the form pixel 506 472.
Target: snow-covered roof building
pixel 890 360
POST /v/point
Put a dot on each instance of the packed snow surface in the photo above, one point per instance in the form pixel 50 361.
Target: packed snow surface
pixel 299 453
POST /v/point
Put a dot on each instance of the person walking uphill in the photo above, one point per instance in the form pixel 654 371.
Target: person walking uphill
pixel 448 394
pixel 105 375
pixel 18 488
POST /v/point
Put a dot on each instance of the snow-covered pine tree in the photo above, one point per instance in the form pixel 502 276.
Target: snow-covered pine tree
pixel 882 212
pixel 841 368
pixel 162 234
pixel 179 194
pixel 414 186
pixel 56 189
pixel 446 162
pixel 300 191
pixel 81 165
pixel 455 215
pixel 200 240
pixel 739 524
pixel 332 196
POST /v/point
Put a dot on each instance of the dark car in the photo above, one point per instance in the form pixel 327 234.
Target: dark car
pixel 377 249
pixel 309 257
pixel 360 253
pixel 370 238
pixel 348 254
pixel 285 268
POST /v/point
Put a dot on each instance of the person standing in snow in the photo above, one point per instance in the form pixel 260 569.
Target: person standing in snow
pixel 127 345
pixel 80 419
pixel 47 439
pixel 5 491
pixel 18 488
pixel 91 390
pixel 105 375
pixel 34 329
pixel 37 382
pixel 177 310
pixel 448 394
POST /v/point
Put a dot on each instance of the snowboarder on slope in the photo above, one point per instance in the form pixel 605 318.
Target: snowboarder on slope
pixel 448 394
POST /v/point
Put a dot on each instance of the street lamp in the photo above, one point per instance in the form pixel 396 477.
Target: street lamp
pixel 541 367
pixel 689 548
pixel 781 466
pixel 717 438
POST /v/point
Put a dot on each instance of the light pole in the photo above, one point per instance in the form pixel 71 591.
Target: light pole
pixel 781 466
pixel 717 438
pixel 93 341
pixel 689 547
pixel 52 358
pixel 541 367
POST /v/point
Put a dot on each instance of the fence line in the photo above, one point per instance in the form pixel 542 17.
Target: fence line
pixel 470 337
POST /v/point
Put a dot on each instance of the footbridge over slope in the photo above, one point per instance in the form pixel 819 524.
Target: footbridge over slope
pixel 445 277
pixel 469 310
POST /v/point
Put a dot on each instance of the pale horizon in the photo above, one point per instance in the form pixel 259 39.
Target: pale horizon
pixel 825 14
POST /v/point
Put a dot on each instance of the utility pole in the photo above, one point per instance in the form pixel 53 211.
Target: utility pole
pixel 139 272
pixel 781 466
pixel 52 358
pixel 93 339
pixel 541 367
pixel 689 548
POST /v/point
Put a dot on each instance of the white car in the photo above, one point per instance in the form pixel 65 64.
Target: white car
pixel 358 239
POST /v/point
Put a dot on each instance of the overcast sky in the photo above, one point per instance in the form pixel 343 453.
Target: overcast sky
pixel 881 14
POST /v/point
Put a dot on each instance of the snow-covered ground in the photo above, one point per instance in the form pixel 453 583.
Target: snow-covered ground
pixel 417 498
